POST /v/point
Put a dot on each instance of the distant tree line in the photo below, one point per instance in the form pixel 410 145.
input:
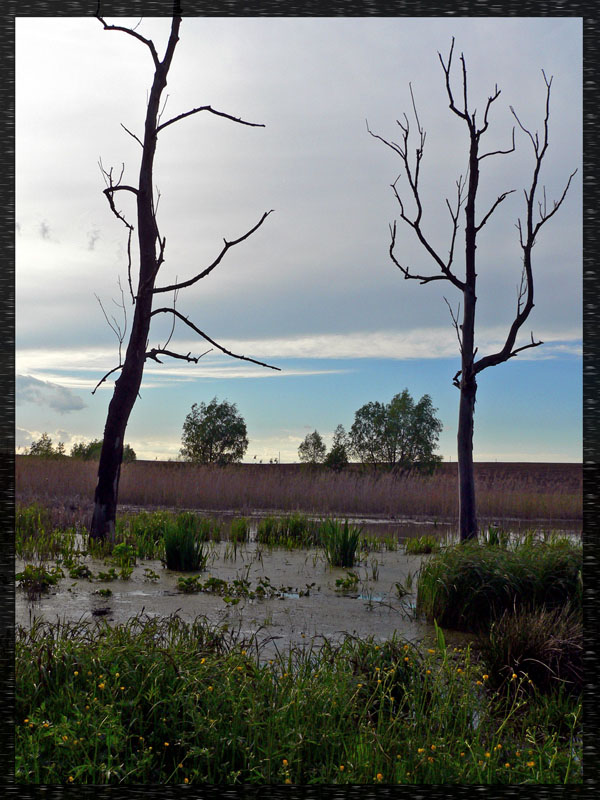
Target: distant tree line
pixel 401 435
pixel 86 451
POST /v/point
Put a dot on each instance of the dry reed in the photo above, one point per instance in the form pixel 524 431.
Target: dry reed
pixel 523 491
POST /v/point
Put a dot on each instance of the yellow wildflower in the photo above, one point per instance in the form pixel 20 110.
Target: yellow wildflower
pixel 379 777
pixel 341 767
pixel 285 762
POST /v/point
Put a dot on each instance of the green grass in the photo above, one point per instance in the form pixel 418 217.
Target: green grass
pixel 421 545
pixel 340 542
pixel 291 530
pixel 467 586
pixel 161 701
pixel 184 549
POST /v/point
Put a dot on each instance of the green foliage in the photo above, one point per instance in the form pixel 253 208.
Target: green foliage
pixel 292 530
pixel 214 434
pixel 348 583
pixel 239 529
pixel 158 701
pixel 340 542
pixel 467 586
pixel 337 458
pixel 90 451
pixel 37 578
pixel 421 545
pixel 312 450
pixel 401 433
pixel 184 549
pixel 44 448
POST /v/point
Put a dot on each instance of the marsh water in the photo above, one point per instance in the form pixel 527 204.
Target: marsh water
pixel 308 604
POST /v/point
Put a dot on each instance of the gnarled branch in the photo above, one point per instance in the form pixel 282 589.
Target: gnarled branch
pixel 212 111
pixel 227 245
pixel 148 42
pixel 208 339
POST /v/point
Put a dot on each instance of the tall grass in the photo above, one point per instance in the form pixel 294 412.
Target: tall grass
pixel 467 586
pixel 525 491
pixel 544 646
pixel 340 542
pixel 162 701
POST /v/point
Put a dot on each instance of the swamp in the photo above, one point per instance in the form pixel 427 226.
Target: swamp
pixel 221 640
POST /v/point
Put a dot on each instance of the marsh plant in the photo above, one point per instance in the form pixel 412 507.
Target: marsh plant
pixel 36 579
pixel 164 701
pixel 469 586
pixel 421 545
pixel 185 550
pixel 544 647
pixel 340 542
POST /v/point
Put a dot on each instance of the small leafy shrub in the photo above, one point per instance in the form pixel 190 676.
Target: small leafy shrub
pixel 421 545
pixel 340 542
pixel 78 570
pixel 348 583
pixel 103 592
pixel 543 647
pixel 184 550
pixel 38 579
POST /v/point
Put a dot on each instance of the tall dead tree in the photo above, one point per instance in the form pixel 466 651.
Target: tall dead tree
pixel 466 378
pixel 151 247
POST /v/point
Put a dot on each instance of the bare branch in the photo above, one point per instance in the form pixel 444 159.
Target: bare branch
pixel 499 152
pixel 208 339
pixel 492 209
pixel 212 111
pixel 156 351
pixel 148 42
pixel 455 323
pixel 101 381
pixel 227 245
pixel 447 67
pixel 139 141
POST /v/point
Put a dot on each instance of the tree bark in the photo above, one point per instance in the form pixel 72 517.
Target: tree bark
pixel 467 518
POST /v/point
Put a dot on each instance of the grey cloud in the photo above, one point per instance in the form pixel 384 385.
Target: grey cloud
pixel 45 393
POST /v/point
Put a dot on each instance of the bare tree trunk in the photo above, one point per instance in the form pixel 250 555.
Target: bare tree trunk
pixel 465 378
pixel 151 257
pixel 467 519
pixel 128 384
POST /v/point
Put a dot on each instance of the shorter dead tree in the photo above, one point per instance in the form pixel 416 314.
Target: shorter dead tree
pixel 151 253
pixel 537 213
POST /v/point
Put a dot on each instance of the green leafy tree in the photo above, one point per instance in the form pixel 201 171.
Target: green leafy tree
pixel 401 433
pixel 337 458
pixel 214 434
pixel 90 451
pixel 312 450
pixel 43 447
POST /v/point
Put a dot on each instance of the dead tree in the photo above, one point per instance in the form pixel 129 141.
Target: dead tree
pixel 151 247
pixel 466 195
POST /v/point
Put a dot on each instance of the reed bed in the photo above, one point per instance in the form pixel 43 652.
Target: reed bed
pixel 509 491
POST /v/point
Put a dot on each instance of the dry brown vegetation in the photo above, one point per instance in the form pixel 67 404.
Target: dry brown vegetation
pixel 507 490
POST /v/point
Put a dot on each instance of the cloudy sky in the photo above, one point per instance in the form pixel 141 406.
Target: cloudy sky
pixel 313 291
